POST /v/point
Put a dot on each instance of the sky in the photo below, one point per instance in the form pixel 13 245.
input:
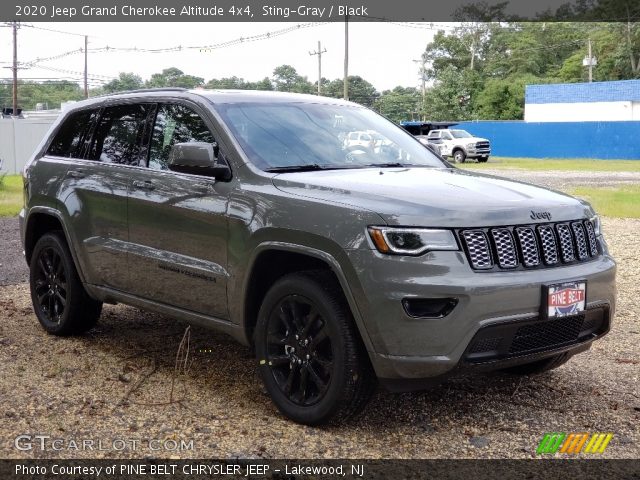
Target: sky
pixel 385 54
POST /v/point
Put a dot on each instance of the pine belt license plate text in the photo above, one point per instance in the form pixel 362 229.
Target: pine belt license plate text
pixel 567 298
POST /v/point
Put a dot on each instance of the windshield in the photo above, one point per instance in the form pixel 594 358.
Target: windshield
pixel 460 134
pixel 281 136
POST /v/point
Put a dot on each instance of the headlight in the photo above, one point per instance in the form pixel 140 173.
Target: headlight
pixel 595 220
pixel 411 241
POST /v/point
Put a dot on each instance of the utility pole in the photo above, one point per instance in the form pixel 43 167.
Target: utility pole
pixel 346 57
pixel 15 69
pixel 590 61
pixel 86 87
pixel 319 53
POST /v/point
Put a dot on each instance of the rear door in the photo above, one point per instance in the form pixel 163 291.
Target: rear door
pixel 95 188
pixel 177 221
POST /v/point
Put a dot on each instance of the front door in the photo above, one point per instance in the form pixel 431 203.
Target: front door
pixel 177 222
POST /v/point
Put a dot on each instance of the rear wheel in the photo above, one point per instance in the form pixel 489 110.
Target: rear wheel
pixel 540 366
pixel 59 300
pixel 312 361
pixel 459 156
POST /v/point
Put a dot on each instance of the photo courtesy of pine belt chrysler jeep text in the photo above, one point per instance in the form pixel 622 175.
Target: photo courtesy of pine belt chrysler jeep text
pixel 342 263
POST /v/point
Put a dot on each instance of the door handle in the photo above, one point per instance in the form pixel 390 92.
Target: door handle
pixel 75 174
pixel 146 185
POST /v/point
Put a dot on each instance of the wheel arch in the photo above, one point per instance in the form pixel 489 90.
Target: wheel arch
pixel 271 261
pixel 42 220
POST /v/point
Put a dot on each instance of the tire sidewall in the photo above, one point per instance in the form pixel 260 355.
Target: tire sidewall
pixel 305 287
pixel 53 241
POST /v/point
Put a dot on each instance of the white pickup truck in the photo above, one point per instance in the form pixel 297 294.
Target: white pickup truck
pixel 460 145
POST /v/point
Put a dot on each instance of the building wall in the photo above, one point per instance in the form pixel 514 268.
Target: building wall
pixel 601 140
pixel 584 112
pixel 583 102
pixel 19 139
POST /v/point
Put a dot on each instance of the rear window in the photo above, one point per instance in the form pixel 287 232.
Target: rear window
pixel 68 141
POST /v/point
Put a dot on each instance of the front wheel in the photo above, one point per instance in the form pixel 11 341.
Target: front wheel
pixel 311 359
pixel 60 302
pixel 459 156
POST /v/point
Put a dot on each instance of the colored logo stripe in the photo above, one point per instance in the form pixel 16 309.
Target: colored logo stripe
pixel 573 443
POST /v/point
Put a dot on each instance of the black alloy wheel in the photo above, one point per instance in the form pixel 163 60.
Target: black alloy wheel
pixel 50 285
pixel 59 299
pixel 311 358
pixel 299 350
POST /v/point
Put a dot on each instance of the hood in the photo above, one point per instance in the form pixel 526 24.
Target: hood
pixel 435 197
pixel 468 141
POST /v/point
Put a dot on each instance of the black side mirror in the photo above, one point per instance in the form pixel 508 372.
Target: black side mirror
pixel 198 158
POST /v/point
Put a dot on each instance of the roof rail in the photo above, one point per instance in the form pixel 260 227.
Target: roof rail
pixel 142 90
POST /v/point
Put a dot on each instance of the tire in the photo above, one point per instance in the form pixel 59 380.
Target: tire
pixel 312 381
pixel 60 302
pixel 540 366
pixel 483 159
pixel 459 156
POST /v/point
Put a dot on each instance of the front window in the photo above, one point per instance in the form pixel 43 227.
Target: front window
pixel 460 134
pixel 281 136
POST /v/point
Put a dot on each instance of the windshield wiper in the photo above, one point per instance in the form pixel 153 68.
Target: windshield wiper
pixel 300 168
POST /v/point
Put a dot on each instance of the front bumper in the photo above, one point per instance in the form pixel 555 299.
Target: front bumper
pixel 409 348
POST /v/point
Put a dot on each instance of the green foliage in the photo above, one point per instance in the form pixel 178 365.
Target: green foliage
pixel 49 93
pixel 287 79
pixel 399 104
pixel 490 63
pixel 125 81
pixel 173 77
pixel 10 195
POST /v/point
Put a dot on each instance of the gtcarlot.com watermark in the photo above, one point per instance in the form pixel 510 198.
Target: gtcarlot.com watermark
pixel 46 443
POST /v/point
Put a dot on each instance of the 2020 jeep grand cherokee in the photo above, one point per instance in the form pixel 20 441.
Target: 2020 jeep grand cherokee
pixel 244 212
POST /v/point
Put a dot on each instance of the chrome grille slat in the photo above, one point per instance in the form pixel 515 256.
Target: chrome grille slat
pixel 530 246
pixel 591 235
pixel 505 248
pixel 581 240
pixel 478 249
pixel 549 244
pixel 566 243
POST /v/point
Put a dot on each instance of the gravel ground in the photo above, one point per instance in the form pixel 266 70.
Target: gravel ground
pixel 120 382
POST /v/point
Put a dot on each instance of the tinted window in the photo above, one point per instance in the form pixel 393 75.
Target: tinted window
pixel 175 124
pixel 68 140
pixel 119 136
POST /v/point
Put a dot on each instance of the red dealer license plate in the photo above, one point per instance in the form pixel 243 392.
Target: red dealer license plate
pixel 566 298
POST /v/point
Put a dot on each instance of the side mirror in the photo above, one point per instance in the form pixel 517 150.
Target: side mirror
pixel 198 158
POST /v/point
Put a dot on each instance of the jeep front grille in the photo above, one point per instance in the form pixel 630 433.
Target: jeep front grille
pixel 530 246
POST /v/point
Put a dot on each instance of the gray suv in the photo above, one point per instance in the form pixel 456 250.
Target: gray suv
pixel 246 212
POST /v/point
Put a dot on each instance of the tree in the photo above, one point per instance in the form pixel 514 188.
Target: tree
pixel 399 104
pixel 125 81
pixel 360 91
pixel 287 79
pixel 173 77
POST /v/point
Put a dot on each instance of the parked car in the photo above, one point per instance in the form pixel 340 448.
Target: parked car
pixel 244 212
pixel 460 145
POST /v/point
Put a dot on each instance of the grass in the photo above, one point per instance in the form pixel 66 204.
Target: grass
pixel 557 164
pixel 621 202
pixel 10 195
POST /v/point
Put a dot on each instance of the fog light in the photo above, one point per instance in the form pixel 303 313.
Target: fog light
pixel 429 307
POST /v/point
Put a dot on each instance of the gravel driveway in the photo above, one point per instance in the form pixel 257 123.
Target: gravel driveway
pixel 120 381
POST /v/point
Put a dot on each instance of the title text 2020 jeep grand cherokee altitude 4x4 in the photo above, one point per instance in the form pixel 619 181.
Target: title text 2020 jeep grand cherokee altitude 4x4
pixel 244 212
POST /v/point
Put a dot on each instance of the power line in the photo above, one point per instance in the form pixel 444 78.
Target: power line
pixel 54 30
